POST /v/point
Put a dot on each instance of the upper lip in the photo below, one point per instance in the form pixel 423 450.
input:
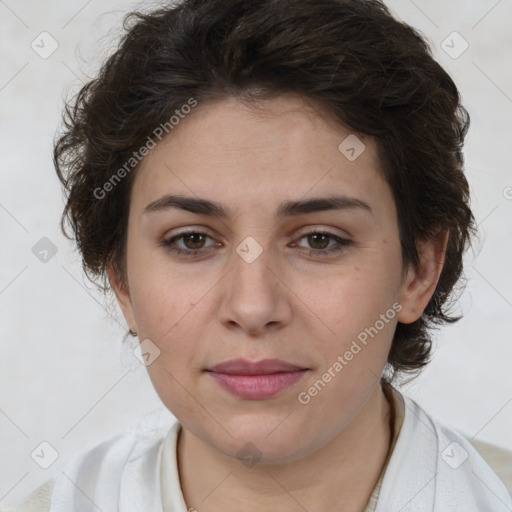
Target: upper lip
pixel 245 367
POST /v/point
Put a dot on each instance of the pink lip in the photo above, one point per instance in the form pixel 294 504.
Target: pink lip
pixel 245 367
pixel 258 380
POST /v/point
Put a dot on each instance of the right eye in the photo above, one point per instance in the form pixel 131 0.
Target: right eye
pixel 193 243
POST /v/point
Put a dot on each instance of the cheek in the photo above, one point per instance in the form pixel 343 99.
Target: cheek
pixel 166 310
pixel 355 315
pixel 351 297
pixel 161 292
pixel 171 308
pixel 161 307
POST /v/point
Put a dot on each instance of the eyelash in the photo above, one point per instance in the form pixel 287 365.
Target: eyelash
pixel 191 253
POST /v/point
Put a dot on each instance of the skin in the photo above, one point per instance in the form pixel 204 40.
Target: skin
pixel 288 304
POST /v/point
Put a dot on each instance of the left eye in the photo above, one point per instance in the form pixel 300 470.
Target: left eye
pixel 321 240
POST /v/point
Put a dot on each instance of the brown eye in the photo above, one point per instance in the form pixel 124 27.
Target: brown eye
pixel 191 243
pixel 319 240
pixel 194 240
pixel 323 243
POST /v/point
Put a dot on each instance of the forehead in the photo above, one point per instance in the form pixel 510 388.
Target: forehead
pixel 250 155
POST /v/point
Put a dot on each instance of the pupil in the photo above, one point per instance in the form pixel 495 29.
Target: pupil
pixel 316 236
pixel 197 236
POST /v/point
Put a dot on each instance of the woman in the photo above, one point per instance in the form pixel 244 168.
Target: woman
pixel 274 191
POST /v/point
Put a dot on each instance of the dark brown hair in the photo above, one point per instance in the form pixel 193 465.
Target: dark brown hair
pixel 373 73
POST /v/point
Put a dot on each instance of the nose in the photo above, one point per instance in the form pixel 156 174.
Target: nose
pixel 255 298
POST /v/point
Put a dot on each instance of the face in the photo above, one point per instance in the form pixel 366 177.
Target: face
pixel 266 273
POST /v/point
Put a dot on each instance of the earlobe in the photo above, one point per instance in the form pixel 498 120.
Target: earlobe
pixel 420 284
pixel 122 294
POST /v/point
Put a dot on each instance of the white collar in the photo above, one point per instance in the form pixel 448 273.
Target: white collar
pixel 426 473
pixel 125 472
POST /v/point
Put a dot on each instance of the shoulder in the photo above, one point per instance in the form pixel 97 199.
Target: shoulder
pixel 37 501
pixel 435 468
pixel 499 458
pixel 100 473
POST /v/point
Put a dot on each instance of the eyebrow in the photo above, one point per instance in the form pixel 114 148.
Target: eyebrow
pixel 286 209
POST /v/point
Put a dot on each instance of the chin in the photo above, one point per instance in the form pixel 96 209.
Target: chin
pixel 262 439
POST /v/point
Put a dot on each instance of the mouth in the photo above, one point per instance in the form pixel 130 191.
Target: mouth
pixel 256 380
pixel 246 367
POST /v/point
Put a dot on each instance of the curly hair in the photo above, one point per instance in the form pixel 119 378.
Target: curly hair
pixel 375 74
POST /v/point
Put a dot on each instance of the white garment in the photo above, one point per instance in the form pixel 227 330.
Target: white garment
pixel 425 473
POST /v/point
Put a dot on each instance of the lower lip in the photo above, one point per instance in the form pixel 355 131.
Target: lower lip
pixel 257 387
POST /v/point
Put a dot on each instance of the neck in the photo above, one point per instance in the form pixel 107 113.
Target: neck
pixel 211 481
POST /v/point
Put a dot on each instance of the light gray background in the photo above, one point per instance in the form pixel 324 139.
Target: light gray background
pixel 62 376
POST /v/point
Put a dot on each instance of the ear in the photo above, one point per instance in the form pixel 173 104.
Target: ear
pixel 419 285
pixel 122 293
